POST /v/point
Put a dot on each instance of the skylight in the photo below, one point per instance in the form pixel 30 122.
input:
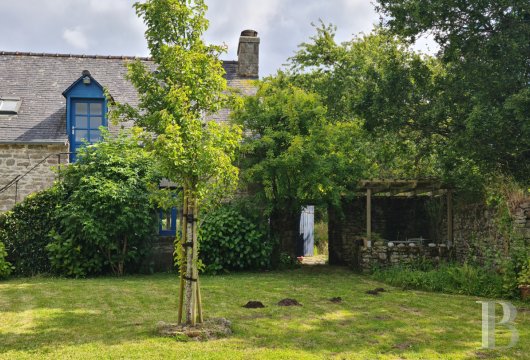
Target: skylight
pixel 9 105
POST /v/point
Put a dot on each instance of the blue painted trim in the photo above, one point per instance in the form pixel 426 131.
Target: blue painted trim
pixel 173 230
pixel 79 91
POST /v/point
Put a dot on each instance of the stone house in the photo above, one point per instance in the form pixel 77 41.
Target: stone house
pixel 50 103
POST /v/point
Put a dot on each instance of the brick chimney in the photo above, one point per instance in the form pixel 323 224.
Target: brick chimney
pixel 248 54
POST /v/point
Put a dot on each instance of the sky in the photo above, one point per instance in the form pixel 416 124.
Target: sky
pixel 111 27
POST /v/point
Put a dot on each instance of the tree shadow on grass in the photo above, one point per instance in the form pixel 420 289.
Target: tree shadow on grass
pixel 55 327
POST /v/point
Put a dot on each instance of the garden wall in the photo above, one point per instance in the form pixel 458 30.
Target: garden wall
pixel 480 235
pixel 17 160
pixel 393 219
pixel 383 255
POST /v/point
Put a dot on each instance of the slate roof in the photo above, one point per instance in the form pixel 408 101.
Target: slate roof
pixel 40 79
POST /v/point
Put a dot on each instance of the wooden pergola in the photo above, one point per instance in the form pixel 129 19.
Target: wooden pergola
pixel 405 188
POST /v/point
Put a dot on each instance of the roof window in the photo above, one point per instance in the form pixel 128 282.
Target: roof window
pixel 9 105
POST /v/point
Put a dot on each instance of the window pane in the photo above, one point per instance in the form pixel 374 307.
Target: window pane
pixel 96 108
pixel 95 122
pixel 81 122
pixel 80 135
pixel 81 108
pixel 95 136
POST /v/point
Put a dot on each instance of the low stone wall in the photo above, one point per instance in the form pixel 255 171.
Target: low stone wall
pixel 17 160
pixel 384 255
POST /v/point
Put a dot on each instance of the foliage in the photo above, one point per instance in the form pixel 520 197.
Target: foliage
pixel 321 237
pixel 277 120
pixel 377 94
pixel 524 276
pixel 229 241
pixel 451 278
pixel 107 220
pixel 483 100
pixel 174 100
pixel 25 231
pixel 5 266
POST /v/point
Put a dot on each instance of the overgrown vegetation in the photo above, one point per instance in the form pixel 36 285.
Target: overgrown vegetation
pixel 97 219
pixel 5 266
pixel 448 278
pixel 25 231
pixel 229 241
pixel 107 220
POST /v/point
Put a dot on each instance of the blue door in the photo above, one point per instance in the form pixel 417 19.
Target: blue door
pixel 87 117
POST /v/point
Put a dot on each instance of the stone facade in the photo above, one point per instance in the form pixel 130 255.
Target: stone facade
pixel 16 160
pixel 383 255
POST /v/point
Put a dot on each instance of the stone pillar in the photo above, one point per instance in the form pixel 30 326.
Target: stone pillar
pixel 248 54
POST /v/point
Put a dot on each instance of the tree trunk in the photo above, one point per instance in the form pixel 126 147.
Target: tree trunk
pixel 189 246
pixel 181 249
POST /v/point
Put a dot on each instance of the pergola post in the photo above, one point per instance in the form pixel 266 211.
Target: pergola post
pixel 449 218
pixel 369 217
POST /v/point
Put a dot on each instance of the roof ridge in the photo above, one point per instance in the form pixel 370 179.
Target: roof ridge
pixel 84 56
pixel 121 57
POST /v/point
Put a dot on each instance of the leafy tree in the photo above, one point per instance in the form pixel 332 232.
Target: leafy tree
pixel 105 218
pixel 483 101
pixel 374 77
pixel 185 87
pixel 277 120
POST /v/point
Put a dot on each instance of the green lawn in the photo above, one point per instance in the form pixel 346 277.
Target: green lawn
pixel 115 318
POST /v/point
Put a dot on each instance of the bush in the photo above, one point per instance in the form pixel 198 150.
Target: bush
pixel 106 222
pixel 228 241
pixel 5 266
pixel 450 278
pixel 25 232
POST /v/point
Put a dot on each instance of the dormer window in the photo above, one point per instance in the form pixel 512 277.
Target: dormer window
pixel 86 109
pixel 9 105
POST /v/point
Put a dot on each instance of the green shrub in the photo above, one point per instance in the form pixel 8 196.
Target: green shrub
pixel 107 221
pixel 448 278
pixel 228 241
pixel 25 232
pixel 5 266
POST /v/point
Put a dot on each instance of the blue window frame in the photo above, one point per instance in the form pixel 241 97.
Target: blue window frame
pixel 87 117
pixel 86 110
pixel 168 222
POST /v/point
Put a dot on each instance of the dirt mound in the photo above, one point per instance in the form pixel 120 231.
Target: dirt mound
pixel 254 305
pixel 289 302
pixel 375 291
pixel 336 300
pixel 209 330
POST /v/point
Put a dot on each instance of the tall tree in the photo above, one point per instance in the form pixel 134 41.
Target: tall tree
pixel 484 101
pixel 277 121
pixel 176 95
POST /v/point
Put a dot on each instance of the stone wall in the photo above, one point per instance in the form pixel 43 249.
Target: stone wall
pixel 17 160
pixel 386 254
pixel 392 219
pixel 477 234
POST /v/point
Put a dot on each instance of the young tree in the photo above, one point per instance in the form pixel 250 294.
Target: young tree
pixel 176 95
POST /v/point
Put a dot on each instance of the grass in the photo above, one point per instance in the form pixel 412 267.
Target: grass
pixel 115 318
